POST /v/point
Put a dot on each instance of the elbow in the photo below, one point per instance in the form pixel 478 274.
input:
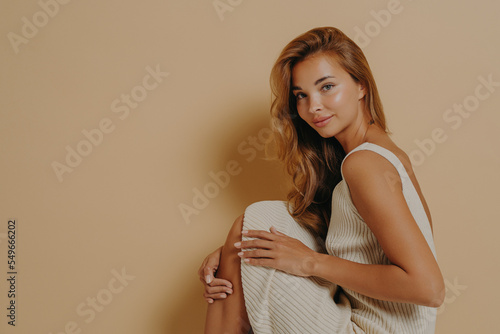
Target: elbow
pixel 435 300
pixel 438 296
pixel 434 293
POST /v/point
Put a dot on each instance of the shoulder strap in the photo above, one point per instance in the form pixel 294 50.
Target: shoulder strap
pixel 408 188
pixel 391 157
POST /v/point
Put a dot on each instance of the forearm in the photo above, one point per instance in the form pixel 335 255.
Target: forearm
pixel 385 282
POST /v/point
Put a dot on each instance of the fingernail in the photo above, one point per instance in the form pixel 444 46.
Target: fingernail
pixel 229 292
pixel 223 295
pixel 208 279
pixel 237 244
pixel 244 232
pixel 210 301
pixel 240 254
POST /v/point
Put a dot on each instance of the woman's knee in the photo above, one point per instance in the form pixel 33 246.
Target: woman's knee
pixel 263 215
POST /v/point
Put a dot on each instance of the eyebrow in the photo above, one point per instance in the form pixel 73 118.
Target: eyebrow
pixel 315 83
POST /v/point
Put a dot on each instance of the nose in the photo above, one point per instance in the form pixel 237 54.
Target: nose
pixel 315 104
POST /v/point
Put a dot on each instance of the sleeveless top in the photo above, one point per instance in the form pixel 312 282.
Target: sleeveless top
pixel 350 238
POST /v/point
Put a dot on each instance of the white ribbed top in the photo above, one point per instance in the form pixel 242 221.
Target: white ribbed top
pixel 350 238
pixel 280 303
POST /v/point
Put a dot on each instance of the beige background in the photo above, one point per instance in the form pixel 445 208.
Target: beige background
pixel 119 208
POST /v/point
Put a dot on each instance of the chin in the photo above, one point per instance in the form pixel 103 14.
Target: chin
pixel 326 134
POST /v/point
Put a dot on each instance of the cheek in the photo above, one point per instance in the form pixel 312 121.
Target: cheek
pixel 302 110
pixel 339 99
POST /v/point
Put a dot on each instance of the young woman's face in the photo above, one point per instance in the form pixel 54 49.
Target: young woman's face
pixel 328 99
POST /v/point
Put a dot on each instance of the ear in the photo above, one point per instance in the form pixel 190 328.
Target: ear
pixel 362 91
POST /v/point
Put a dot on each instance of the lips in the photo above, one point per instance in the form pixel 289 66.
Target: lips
pixel 321 121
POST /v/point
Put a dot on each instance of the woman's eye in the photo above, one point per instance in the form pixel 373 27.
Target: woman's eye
pixel 299 96
pixel 327 87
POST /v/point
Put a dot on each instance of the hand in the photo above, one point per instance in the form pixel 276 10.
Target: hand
pixel 215 288
pixel 279 251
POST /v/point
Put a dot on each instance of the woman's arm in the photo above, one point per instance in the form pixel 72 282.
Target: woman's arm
pixel 215 288
pixel 385 282
pixel 413 275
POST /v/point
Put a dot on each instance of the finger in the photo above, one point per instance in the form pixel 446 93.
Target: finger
pixel 209 290
pixel 216 296
pixel 256 253
pixel 259 234
pixel 275 231
pixel 208 274
pixel 257 243
pixel 203 265
pixel 221 282
pixel 217 282
pixel 260 262
pixel 213 261
pixel 204 281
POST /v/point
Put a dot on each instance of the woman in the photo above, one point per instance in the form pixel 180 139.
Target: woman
pixel 351 251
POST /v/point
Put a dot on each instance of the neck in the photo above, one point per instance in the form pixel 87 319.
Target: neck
pixel 360 135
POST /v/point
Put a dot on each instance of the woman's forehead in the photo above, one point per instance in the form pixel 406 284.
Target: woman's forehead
pixel 315 67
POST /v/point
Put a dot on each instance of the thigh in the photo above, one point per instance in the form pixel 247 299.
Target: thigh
pixel 278 302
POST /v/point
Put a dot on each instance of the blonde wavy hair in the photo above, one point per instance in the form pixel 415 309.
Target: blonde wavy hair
pixel 313 162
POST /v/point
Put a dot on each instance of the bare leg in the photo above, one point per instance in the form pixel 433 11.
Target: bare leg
pixel 229 316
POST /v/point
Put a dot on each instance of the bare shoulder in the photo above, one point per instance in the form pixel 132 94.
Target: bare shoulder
pixel 365 163
pixel 388 145
pixel 368 166
pixel 368 172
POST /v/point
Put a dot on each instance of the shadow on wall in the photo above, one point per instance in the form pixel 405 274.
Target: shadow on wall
pixel 253 179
